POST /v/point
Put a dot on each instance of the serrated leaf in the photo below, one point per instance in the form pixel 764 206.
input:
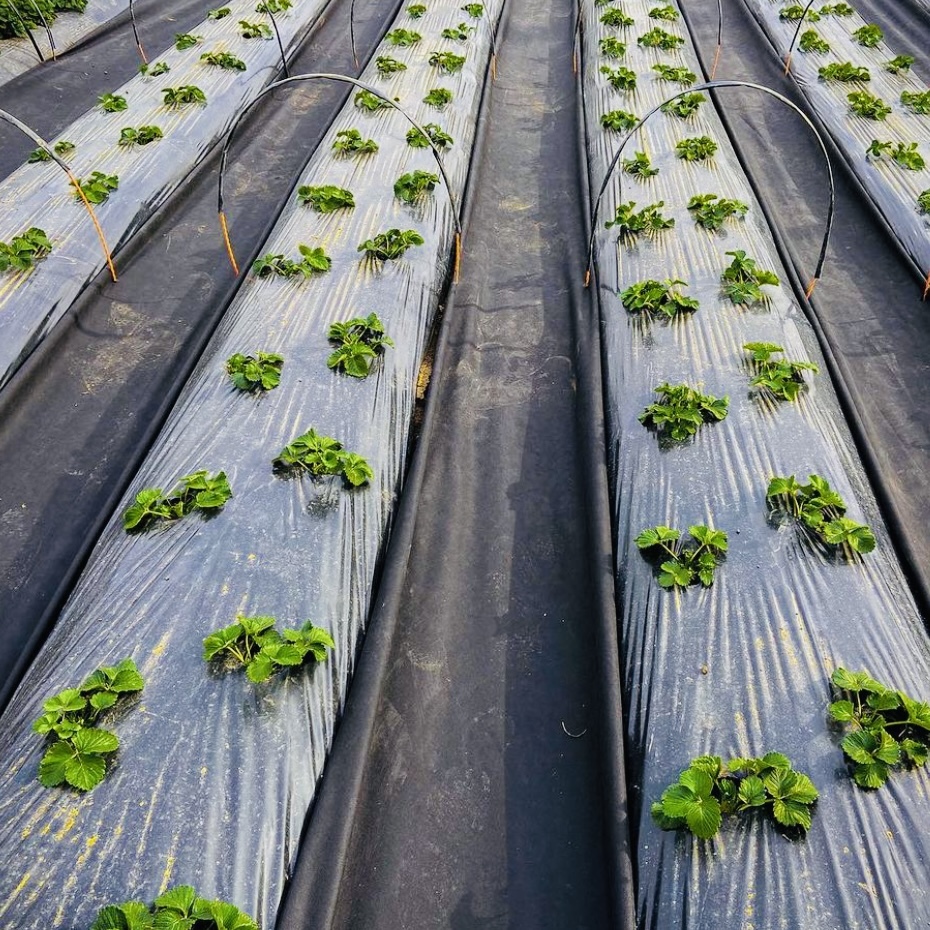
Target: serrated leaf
pixel 85 770
pixel 915 751
pixel 102 700
pixel 93 740
pixel 752 792
pixel 792 813
pixel 860 746
pixel 888 750
pixel 110 917
pixel 662 820
pixel 703 817
pixel 260 668
pixel 884 700
pixel 52 766
pixel 870 775
pixel 841 710
pixel 180 898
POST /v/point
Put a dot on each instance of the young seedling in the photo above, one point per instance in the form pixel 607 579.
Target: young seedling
pixel 681 410
pixel 261 371
pixel 685 106
pixel 313 261
pixel 155 70
pixel 900 64
pixel 615 18
pixel 23 251
pixel 868 105
pixel 350 142
pixel 432 133
pixel 819 508
pixel 459 33
pixel 869 36
pixel 220 13
pixel 176 97
pixel 916 101
pixel 322 455
pixel 708 789
pixel 888 728
pixel 658 297
pixel 659 38
pixel 358 343
pixel 77 756
pixel 668 13
pixel 622 79
pixel 743 279
pixel 61 148
pixel 611 47
pixel 923 201
pixel 447 62
pixel 905 154
pixel 649 220
pixel 837 9
pixel 812 42
pixel 185 40
pixel 711 210
pixel 223 60
pixel 781 377
pixel 326 199
pixel 273 6
pixel 403 38
pixel 639 165
pixel 686 562
pixel 699 148
pixel 254 30
pixel 474 10
pixel 387 65
pixel 390 244
pixel 366 100
pixel 845 72
pixel 98 187
pixel 795 12
pixel 197 491
pixel 619 120
pixel 682 76
pixel 438 97
pixel 130 136
pixel 179 908
pixel 112 103
pixel 410 187
pixel 254 643
pixel 416 10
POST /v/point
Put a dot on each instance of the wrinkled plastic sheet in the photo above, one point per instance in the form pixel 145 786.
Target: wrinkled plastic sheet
pixel 892 188
pixel 19 55
pixel 214 775
pixel 743 667
pixel 41 195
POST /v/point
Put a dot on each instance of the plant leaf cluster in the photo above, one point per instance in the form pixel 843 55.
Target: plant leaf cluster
pixel 658 297
pixel 459 33
pixel 900 64
pixel 868 105
pixel 366 100
pixel 155 70
pixel 313 261
pixel 112 103
pixel 611 47
pixel 818 507
pixel 351 142
pixel 390 244
pixel 631 223
pixel 682 410
pixel 326 198
pixel 261 371
pixel 707 790
pixel 176 97
pixel 668 13
pixel 659 38
pixel 416 10
pixel 622 79
pixel 619 120
pixel 186 40
pixel 219 13
pixel 812 42
pixel 24 250
pixel 438 97
pixel 431 133
pixel 680 75
pixel 179 908
pixel 254 30
pixel 273 6
pixel 687 561
pixel 60 148
pixel 698 148
pixel 711 210
pixel 98 186
pixel 129 135
pixel 15 21
pixel 916 101
pixel 448 62
pixel 869 36
pixel 782 377
pixel 358 343
pixel 223 60
pixel 844 71
pixel 743 279
pixel 78 754
pixel 685 106
pixel 197 491
pixel 904 153
pixel 474 10
pixel 872 710
pixel 387 65
pixel 923 201
pixel 403 38
pixel 795 12
pixel 409 187
pixel 639 165
pixel 615 18
pixel 837 9
pixel 322 455
pixel 254 642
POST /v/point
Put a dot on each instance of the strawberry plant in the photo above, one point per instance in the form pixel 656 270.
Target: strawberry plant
pixel 326 199
pixel 254 30
pixel 681 75
pixel 77 756
pixel 923 201
pixel 743 279
pixel 409 187
pixel 130 136
pixel 438 97
pixel 819 508
pixel 708 789
pixel 197 491
pixel 322 455
pixel 176 97
pixel 313 261
pixel 796 12
pixel 685 106
pixel 868 105
pixel 179 908
pixel 416 10
pixel 23 251
pixel 837 9
pixel 475 10
pixel 698 148
pixel 668 13
pixel 905 154
pixel 779 376
pixel 711 210
pixel 112 103
pixel 622 79
pixel 888 728
pixel 916 101
pixel 366 100
pixel 254 643
pixel 611 47
pixel 619 120
pixel 273 6
pixel 686 562
pixel 659 38
pixel 900 64
pixel 631 223
pixel 156 70
pixel 261 371
pixel 98 187
pixel 812 42
pixel 869 36
pixel 681 410
pixel 390 244
pixel 387 65
pixel 350 142
pixel 447 61
pixel 657 297
pixel 358 343
pixel 615 18
pixel 431 133
pixel 639 165
pixel 220 13
pixel 403 37
pixel 61 148
pixel 223 60
pixel 185 40
pixel 459 33
pixel 844 71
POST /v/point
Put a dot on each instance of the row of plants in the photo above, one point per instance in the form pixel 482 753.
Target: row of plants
pixel 17 19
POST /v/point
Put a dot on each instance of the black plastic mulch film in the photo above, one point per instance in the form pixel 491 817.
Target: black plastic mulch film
pixel 742 667
pixel 199 744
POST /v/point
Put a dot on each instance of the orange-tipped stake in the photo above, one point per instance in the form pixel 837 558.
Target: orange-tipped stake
pixel 587 276
pixel 788 64
pixel 810 288
pixel 494 67
pixel 926 288
pixel 713 70
pixel 229 248
pixel 93 216
pixel 457 265
pixel 574 62
pixel 142 53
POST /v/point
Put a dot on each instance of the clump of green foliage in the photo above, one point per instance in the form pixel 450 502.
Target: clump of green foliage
pixel 366 100
pixel 358 343
pixel 129 135
pixel 185 40
pixel 837 9
pixel 868 105
pixel 176 97
pixel 712 210
pixel 685 106
pixel 326 198
pixel 687 561
pixel 812 42
pixel 874 712
pixel 219 13
pixel 313 261
pixel 923 201
pixel 779 376
pixel 708 789
pixel 869 36
pixel 916 101
pixel 261 371
pixel 16 19
pixel 447 62
pixel 475 10
pixel 197 491
pixel 390 244
pixel 223 60
pixel 844 71
pixel 668 13
pixel 900 64
pixel 98 187
pixel 61 148
pixel 658 297
pixel 254 30
pixel 431 133
pixel 459 33
pixel 320 456
pixel 639 165
pixel 674 75
pixel 411 186
pixel 699 148
pixel 659 38
pixel 78 755
pixel 253 642
pixel 819 508
pixel 611 47
pixel 179 908
pixel 681 410
pixel 351 142
pixel 112 103
pixel 615 18
pixel 795 12
pixel 438 97
pixel 622 79
pixel 743 279
pixel 416 10
pixel 630 222
pixel 273 6
pixel 387 65
pixel 619 120
pixel 904 153
pixel 403 38
pixel 23 251
pixel 155 70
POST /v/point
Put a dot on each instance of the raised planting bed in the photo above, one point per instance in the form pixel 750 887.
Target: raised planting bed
pixel 215 773
pixel 729 643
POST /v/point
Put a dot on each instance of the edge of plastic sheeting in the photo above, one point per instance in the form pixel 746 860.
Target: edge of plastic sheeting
pixel 225 772
pixel 40 195
pixel 742 667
